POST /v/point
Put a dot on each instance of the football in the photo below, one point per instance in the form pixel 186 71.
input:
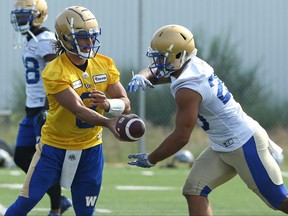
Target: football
pixel 130 127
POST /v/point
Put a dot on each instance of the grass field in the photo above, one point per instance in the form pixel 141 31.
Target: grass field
pixel 131 191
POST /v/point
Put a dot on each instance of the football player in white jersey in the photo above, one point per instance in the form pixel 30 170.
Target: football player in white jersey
pixel 27 18
pixel 239 145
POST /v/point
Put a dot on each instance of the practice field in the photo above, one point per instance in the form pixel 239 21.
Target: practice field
pixel 131 191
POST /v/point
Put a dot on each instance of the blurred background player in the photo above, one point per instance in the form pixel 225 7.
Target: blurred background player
pixel 27 18
pixel 239 145
pixel 76 84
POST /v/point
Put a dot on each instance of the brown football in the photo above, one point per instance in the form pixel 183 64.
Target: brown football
pixel 130 127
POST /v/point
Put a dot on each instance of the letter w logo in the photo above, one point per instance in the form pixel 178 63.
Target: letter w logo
pixel 91 200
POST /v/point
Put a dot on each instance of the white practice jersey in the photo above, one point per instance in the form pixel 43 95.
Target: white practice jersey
pixel 34 64
pixel 220 116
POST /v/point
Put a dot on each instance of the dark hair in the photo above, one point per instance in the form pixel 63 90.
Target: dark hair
pixel 58 46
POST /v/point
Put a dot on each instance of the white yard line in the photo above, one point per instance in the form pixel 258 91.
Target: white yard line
pixel 107 211
pixel 2 210
pixel 150 188
pixel 102 211
pixel 147 173
pixel 11 186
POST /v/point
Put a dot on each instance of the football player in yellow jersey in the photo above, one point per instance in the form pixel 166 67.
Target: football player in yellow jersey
pixel 80 87
pixel 27 18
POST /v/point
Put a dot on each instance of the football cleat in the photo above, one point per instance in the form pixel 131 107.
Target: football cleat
pixel 65 204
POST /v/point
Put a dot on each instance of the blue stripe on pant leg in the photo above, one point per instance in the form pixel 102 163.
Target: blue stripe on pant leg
pixel 206 190
pixel 275 194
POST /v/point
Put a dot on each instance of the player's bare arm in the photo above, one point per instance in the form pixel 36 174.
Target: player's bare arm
pixel 69 99
pixel 187 111
pixel 117 90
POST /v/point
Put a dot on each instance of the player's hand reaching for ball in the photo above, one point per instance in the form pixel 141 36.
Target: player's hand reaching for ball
pixel 138 81
pixel 141 160
pixel 111 125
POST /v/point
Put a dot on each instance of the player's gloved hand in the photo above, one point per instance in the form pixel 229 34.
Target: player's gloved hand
pixel 41 117
pixel 141 160
pixel 138 81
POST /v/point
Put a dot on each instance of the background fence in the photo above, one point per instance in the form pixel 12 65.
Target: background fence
pixel 246 47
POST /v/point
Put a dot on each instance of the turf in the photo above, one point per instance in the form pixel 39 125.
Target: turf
pixel 157 191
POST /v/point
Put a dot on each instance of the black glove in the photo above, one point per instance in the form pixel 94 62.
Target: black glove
pixel 41 117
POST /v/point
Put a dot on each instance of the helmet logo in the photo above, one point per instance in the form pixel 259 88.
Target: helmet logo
pixel 171 47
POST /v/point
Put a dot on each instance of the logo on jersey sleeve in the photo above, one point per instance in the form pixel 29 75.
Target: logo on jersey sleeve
pixel 100 78
pixel 77 84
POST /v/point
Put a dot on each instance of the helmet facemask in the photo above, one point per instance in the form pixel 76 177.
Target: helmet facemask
pixel 22 19
pixel 91 34
pixel 165 63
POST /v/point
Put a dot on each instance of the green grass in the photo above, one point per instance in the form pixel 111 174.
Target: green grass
pixel 233 198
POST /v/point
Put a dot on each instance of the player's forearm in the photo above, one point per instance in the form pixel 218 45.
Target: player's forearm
pixel 69 99
pixel 90 116
pixel 169 146
pixel 127 108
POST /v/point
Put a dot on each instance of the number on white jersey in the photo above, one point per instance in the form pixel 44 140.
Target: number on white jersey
pixel 222 93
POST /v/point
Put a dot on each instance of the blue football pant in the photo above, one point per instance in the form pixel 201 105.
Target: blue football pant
pixel 28 136
pixel 29 131
pixel 45 171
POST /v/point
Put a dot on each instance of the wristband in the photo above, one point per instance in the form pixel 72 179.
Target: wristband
pixel 117 107
pixel 148 162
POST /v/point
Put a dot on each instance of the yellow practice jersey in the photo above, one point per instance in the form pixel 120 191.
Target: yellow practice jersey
pixel 62 129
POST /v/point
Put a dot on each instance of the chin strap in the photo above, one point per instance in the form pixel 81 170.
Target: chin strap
pixel 193 54
pixel 33 36
pixel 19 41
